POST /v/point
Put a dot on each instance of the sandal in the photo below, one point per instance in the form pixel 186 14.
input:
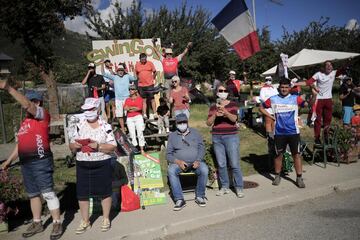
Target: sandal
pixel 105 225
pixel 83 227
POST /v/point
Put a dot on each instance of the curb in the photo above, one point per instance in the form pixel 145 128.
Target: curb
pixel 222 216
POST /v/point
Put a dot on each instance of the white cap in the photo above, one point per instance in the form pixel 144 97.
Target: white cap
pixel 175 78
pixel 168 50
pixel 268 78
pixel 294 80
pixel 232 72
pixel 91 65
pixel 90 103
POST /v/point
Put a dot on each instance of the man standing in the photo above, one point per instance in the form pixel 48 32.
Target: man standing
pixel 233 86
pixel 109 95
pixel 170 64
pixel 146 74
pixel 347 98
pixel 121 82
pixel 36 159
pixel 324 82
pixel 285 108
pixel 185 152
pixel 96 87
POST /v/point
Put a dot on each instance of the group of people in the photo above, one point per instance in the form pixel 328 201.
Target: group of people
pixel 93 139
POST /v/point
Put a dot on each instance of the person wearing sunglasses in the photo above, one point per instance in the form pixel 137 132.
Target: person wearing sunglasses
pixel 185 152
pixel 170 63
pixel 179 98
pixel 222 118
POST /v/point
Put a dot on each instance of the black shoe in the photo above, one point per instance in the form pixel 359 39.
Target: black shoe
pixel 180 204
pixel 200 201
pixel 317 141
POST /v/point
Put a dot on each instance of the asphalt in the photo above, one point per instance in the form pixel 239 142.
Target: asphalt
pixel 156 222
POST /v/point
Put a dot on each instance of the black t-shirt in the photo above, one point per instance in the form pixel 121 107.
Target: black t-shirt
pixel 162 110
pixel 95 81
pixel 350 99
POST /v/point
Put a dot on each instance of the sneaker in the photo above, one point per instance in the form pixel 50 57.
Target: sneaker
pixel 145 117
pixel 200 201
pixel 317 141
pixel 159 132
pixel 34 228
pixel 83 227
pixel 56 231
pixel 239 193
pixel 300 182
pixel 277 180
pixel 167 130
pixel 222 191
pixel 105 225
pixel 180 204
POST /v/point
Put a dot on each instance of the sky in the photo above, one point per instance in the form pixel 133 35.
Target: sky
pixel 294 15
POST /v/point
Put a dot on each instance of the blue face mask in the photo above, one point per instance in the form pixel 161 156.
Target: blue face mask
pixel 182 127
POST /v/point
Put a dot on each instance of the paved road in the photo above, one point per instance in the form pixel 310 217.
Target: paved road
pixel 336 216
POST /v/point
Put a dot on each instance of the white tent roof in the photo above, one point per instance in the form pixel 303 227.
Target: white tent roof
pixel 308 57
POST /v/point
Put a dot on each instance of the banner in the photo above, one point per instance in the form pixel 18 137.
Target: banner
pixel 126 51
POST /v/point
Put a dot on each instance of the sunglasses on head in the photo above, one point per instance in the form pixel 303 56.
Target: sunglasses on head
pixel 222 90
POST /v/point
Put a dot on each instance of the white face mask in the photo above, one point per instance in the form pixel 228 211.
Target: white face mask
pixel 222 95
pixel 91 115
pixel 268 82
pixel 182 127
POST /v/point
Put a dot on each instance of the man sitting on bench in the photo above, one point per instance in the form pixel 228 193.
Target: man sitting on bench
pixel 185 153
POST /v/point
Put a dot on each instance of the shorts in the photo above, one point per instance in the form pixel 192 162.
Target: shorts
pixel 283 140
pixel 347 114
pixel 147 92
pixel 109 95
pixel 119 108
pixel 38 176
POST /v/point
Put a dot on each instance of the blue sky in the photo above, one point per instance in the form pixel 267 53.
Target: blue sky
pixel 294 15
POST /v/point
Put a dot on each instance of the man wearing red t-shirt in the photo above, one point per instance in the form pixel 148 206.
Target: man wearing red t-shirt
pixel 135 122
pixel 146 74
pixel 33 150
pixel 170 64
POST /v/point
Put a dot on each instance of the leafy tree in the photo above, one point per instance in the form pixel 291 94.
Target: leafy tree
pixel 36 24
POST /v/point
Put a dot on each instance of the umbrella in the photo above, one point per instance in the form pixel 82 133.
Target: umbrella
pixel 309 57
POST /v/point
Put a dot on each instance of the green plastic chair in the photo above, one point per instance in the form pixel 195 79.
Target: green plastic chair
pixel 329 142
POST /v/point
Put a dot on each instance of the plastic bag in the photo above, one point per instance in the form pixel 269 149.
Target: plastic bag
pixel 129 200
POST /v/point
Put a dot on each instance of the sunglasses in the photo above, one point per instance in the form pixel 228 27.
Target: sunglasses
pixel 222 90
pixel 174 81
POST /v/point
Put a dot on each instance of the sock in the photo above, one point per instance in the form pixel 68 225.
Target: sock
pixel 36 220
pixel 57 221
pixel 277 174
pixel 299 175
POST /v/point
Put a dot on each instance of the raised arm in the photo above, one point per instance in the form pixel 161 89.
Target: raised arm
pixel 20 98
pixel 186 50
pixel 154 40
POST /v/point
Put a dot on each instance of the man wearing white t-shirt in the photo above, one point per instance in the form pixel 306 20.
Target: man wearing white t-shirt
pixel 324 83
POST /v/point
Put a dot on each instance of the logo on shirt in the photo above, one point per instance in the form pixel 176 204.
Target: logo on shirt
pixel 40 146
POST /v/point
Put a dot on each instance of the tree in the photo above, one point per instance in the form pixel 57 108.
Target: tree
pixel 36 24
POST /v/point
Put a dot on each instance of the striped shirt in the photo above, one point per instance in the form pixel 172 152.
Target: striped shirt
pixel 223 125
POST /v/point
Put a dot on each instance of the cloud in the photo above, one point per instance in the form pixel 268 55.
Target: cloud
pixel 78 23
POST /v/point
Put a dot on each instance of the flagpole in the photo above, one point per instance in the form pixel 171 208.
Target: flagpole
pixel 254 15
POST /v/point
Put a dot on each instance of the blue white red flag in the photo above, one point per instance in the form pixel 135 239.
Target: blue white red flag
pixel 235 24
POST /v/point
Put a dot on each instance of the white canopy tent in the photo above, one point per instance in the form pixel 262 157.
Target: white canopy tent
pixel 309 57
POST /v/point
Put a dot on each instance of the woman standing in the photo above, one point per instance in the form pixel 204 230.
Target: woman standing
pixel 93 141
pixel 135 122
pixel 222 117
pixel 179 97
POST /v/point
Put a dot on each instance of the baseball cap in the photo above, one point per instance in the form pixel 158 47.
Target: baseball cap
pixel 181 118
pixel 107 60
pixel 32 94
pixel 90 103
pixel 91 65
pixel 168 51
pixel 232 72
pixel 120 67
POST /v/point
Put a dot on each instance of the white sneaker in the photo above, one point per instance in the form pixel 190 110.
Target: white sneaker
pixel 159 132
pixel 167 130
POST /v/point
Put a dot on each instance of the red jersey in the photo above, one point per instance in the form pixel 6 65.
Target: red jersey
pixel 33 138
pixel 355 121
pixel 170 66
pixel 137 102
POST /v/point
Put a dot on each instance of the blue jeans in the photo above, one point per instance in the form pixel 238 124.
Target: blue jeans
pixel 347 114
pixel 228 145
pixel 202 175
pixel 38 176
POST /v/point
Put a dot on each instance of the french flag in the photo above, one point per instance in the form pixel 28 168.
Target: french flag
pixel 235 24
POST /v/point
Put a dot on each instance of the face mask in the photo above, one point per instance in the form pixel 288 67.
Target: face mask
pixel 222 95
pixel 182 127
pixel 268 82
pixel 91 115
